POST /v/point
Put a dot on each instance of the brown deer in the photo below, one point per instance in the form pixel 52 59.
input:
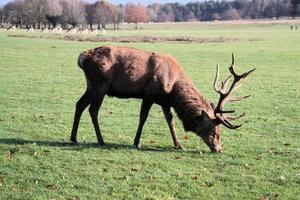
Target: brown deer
pixel 155 78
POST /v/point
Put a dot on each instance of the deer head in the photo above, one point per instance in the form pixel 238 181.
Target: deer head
pixel 211 131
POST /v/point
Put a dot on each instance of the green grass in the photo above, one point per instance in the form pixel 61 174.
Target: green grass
pixel 40 84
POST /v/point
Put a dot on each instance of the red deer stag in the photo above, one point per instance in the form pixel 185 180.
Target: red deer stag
pixel 155 78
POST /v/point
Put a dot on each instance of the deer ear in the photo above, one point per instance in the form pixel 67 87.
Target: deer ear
pixel 205 115
pixel 202 117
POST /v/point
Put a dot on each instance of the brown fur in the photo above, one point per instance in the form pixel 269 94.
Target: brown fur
pixel 155 78
pixel 189 104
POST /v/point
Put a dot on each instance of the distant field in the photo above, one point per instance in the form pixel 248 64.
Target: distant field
pixel 40 84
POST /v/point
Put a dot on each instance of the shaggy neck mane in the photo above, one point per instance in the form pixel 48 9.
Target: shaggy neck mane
pixel 189 103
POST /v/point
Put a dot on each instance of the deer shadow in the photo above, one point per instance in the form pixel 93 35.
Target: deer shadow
pixel 89 145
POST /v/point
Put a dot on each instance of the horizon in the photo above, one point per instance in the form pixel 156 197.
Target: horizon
pixel 116 2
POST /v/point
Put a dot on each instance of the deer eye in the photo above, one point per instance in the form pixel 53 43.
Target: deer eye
pixel 210 139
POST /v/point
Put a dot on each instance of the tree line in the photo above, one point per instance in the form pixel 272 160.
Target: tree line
pixel 224 10
pixel 69 13
pixel 74 13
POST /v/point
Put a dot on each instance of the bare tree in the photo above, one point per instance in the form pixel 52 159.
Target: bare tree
pixel 73 12
pixel 54 12
pixel 135 13
pixel 121 14
pixel 215 16
pixel 153 10
pixel 102 13
pixel 270 10
pixel 1 17
pixel 191 16
pixel 166 14
pixel 295 7
pixel 13 13
pixel 231 14
pixel 91 15
pixel 117 16
pixel 105 13
pixel 35 11
pixel 282 8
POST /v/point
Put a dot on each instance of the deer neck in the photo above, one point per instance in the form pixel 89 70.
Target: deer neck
pixel 189 104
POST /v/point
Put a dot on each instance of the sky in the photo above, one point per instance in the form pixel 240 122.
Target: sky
pixel 116 2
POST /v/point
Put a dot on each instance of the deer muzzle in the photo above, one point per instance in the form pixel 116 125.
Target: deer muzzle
pixel 216 149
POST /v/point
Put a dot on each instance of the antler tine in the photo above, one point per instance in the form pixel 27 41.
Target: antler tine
pixel 217 79
pixel 236 81
pixel 231 68
pixel 229 125
pixel 224 84
pixel 226 111
pixel 239 98
pixel 232 59
pixel 237 117
pixel 236 76
pixel 249 72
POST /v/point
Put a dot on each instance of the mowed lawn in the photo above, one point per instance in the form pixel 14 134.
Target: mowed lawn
pixel 40 84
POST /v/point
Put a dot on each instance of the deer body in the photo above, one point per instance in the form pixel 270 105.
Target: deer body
pixel 155 78
pixel 130 73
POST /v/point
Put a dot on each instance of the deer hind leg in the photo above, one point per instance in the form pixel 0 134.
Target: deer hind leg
pixel 81 105
pixel 98 96
pixel 169 118
pixel 146 105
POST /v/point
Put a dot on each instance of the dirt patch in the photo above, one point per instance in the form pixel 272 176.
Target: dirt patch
pixel 147 39
pixel 130 39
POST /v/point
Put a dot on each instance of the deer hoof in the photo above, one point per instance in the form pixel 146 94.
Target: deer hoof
pixel 138 146
pixel 178 147
pixel 73 140
pixel 101 143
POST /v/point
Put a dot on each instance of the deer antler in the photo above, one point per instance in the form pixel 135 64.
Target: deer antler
pixel 226 96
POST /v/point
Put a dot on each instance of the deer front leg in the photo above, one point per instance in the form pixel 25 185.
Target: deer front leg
pixel 170 121
pixel 81 105
pixel 98 96
pixel 146 105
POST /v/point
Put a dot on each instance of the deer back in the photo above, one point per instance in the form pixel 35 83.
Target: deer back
pixel 130 72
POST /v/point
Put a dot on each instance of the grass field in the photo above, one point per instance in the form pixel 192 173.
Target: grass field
pixel 40 84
